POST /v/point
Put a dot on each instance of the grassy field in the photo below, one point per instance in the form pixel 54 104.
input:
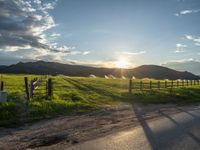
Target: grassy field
pixel 76 95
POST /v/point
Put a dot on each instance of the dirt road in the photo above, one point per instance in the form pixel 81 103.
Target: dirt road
pixel 72 130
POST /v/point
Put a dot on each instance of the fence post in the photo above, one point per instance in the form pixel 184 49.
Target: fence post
pixel 177 83
pixel 49 87
pixel 2 86
pixel 26 88
pixel 183 82
pixel 31 88
pixel 191 82
pixel 172 83
pixel 187 83
pixel 130 86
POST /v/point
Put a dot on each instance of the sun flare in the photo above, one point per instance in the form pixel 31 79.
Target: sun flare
pixel 121 63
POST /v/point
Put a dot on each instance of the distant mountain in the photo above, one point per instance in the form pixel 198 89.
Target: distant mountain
pixel 191 66
pixel 53 68
pixel 159 72
pixel 2 67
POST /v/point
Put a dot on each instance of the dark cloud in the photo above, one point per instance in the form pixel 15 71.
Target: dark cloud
pixel 7 58
pixel 22 25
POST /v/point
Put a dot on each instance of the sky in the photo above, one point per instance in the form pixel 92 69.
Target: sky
pixel 106 33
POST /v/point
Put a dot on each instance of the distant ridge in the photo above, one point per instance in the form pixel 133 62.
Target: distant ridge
pixel 2 67
pixel 191 66
pixel 54 68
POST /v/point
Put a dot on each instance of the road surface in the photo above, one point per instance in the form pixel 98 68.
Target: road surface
pixel 179 131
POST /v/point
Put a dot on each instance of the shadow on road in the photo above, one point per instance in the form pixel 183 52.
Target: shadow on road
pixel 160 139
pixel 147 130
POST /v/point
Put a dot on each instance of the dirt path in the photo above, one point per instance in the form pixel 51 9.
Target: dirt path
pixel 71 130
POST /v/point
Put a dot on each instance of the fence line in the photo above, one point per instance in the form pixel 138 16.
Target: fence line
pixel 140 85
pixel 32 87
pixel 36 84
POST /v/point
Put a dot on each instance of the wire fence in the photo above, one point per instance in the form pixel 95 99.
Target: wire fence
pixel 36 87
pixel 160 84
pixel 45 86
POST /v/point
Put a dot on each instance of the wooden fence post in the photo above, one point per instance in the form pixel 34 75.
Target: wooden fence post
pixel 26 88
pixel 130 86
pixel 191 82
pixel 172 84
pixel 2 86
pixel 177 83
pixel 49 87
pixel 187 83
pixel 183 82
pixel 31 88
pixel 165 84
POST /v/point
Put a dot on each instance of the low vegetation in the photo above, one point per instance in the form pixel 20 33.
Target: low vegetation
pixel 77 95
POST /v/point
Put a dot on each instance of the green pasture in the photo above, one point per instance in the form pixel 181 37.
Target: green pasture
pixel 77 95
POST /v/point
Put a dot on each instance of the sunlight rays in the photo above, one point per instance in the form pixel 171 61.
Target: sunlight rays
pixel 121 63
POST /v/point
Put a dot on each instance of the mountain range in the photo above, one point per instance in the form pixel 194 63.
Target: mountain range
pixel 54 68
pixel 190 65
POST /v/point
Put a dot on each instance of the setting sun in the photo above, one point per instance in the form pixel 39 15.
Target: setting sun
pixel 122 63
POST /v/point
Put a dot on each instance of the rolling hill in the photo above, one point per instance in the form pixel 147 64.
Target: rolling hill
pixel 53 68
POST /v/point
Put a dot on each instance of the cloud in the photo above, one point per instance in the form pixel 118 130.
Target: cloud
pixel 55 35
pixel 179 51
pixel 86 52
pixel 98 63
pixel 178 45
pixel 133 53
pixel 195 39
pixel 179 48
pixel 197 44
pixel 184 12
pixel 50 57
pixel 191 65
pixel 23 36
pixel 80 52
pixel 181 60
pixel 23 25
pixel 47 6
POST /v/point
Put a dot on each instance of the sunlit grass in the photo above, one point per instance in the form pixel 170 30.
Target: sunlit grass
pixel 75 95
